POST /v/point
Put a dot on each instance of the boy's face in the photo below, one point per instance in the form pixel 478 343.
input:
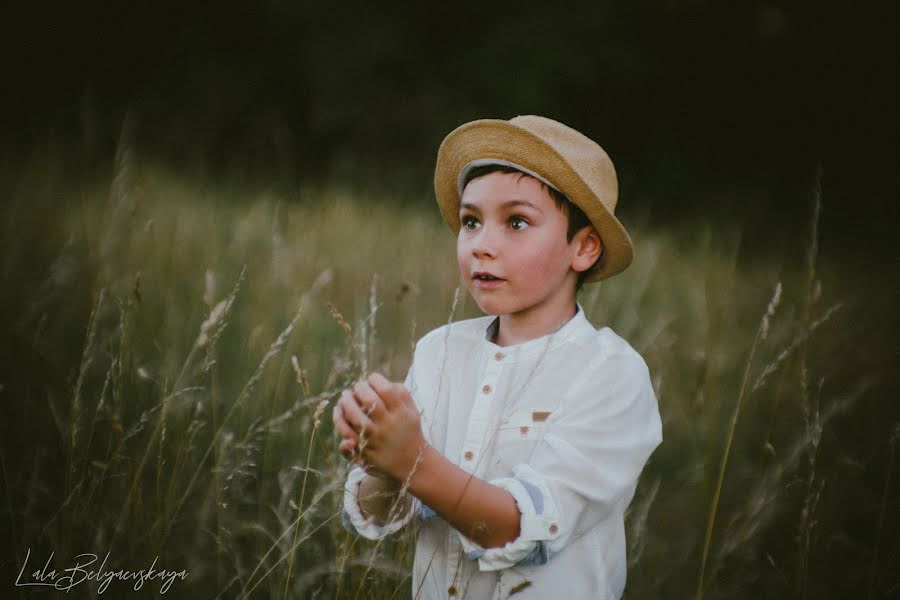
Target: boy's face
pixel 512 229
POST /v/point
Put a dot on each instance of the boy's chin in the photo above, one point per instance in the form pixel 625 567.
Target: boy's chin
pixel 491 306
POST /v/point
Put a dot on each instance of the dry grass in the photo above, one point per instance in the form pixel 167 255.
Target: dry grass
pixel 176 348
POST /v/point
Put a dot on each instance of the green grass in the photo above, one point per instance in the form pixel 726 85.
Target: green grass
pixel 173 349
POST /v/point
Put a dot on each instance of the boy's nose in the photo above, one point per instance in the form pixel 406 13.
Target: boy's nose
pixel 484 243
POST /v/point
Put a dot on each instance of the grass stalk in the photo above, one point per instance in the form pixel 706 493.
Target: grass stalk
pixel 245 593
pixel 316 422
pixel 810 404
pixel 873 568
pixel 247 391
pixel 761 333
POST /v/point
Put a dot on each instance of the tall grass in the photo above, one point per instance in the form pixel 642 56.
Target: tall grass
pixel 173 350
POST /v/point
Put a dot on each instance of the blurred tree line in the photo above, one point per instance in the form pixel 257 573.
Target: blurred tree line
pixel 707 108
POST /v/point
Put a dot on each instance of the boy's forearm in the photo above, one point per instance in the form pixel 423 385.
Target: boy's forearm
pixel 485 513
pixel 377 497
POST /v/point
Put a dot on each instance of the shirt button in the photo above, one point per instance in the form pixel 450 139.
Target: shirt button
pixel 553 528
pixel 499 356
pixel 451 590
pixel 524 429
pixel 486 389
pixel 469 455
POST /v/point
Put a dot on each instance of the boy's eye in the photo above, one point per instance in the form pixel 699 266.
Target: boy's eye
pixel 468 222
pixel 522 223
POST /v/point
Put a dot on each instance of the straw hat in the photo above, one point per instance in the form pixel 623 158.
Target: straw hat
pixel 553 153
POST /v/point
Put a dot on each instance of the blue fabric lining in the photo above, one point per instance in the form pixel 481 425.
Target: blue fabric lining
pixel 537 498
pixel 348 525
pixel 425 513
pixel 539 556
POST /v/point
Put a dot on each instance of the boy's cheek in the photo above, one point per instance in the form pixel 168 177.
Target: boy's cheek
pixel 460 262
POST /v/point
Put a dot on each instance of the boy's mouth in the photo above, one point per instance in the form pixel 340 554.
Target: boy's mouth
pixel 485 276
pixel 483 280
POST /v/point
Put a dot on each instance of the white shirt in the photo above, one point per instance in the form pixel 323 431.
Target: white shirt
pixel 564 422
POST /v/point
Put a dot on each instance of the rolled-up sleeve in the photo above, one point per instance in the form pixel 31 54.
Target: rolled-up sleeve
pixel 352 516
pixel 538 524
pixel 585 468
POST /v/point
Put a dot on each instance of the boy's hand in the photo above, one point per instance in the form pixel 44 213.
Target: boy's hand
pixel 349 446
pixel 386 422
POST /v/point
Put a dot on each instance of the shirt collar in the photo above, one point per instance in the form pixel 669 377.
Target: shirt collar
pixel 575 326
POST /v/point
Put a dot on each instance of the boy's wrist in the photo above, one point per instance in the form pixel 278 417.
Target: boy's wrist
pixel 381 475
pixel 413 463
pixel 396 475
pixel 373 471
pixel 379 498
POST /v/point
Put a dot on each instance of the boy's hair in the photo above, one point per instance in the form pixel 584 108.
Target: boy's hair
pixel 575 216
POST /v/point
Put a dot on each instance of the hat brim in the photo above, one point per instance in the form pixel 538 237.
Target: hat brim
pixel 506 141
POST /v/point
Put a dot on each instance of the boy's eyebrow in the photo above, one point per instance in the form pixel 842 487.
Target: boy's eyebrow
pixel 506 204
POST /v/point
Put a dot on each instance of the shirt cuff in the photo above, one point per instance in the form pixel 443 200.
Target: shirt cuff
pixel 352 516
pixel 538 524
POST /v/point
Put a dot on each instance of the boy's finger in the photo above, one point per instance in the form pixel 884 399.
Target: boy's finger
pixel 385 389
pixel 353 414
pixel 347 449
pixel 367 399
pixel 378 380
pixel 349 454
pixel 341 425
pixel 337 417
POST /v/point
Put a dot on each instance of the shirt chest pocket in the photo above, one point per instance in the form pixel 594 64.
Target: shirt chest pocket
pixel 524 425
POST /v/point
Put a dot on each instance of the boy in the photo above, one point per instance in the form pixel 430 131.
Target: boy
pixel 517 439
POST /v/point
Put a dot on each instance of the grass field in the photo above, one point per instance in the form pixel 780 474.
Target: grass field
pixel 173 350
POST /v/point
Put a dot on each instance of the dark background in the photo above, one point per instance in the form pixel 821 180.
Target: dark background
pixel 709 109
pixel 724 113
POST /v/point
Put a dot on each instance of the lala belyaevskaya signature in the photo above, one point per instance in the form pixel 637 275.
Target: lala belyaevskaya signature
pixel 81 572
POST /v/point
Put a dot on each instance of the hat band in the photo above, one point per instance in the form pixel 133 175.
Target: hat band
pixel 480 162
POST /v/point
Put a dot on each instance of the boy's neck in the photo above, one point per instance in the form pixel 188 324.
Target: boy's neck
pixel 517 328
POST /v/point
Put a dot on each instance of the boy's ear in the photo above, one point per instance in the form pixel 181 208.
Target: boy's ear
pixel 588 247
